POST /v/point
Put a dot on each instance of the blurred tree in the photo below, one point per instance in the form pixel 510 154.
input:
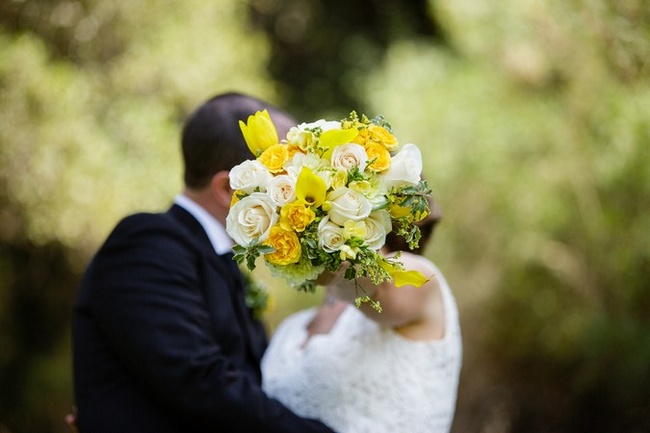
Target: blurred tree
pixel 531 117
pixel 92 97
pixel 536 129
pixel 322 50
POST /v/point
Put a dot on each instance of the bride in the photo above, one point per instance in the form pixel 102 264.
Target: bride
pixel 362 371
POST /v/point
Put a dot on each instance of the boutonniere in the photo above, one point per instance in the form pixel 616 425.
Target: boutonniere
pixel 255 294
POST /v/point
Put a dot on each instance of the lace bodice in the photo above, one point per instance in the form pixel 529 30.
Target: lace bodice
pixel 362 377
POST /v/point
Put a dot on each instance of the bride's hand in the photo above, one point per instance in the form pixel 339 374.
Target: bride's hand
pixel 329 278
pixel 344 289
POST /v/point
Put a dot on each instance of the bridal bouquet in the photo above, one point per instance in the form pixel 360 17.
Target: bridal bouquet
pixel 326 194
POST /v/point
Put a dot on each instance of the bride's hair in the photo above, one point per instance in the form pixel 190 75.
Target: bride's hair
pixel 426 226
pixel 212 141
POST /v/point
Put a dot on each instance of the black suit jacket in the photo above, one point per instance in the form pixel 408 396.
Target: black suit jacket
pixel 163 341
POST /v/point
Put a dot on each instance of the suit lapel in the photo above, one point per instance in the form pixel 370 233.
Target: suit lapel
pixel 252 330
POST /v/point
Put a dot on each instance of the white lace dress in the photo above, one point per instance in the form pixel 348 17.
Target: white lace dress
pixel 362 377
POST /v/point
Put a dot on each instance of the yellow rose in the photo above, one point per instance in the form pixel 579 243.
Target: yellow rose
pixel 379 155
pixel 293 149
pixel 363 137
pixel 376 134
pixel 296 216
pixel 379 134
pixel 286 244
pixel 274 158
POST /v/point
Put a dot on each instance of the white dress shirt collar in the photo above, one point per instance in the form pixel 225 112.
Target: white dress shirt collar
pixel 216 232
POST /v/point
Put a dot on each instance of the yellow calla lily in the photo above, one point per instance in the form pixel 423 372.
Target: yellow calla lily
pixel 310 187
pixel 404 278
pixel 336 137
pixel 259 132
pixel 412 278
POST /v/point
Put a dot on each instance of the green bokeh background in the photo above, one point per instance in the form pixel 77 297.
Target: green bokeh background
pixel 534 122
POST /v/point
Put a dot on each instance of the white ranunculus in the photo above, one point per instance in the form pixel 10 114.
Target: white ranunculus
pixel 405 167
pixel 303 139
pixel 294 165
pixel 330 236
pixel 347 204
pixel 249 175
pixel 378 224
pixel 251 218
pixel 349 155
pixel 282 189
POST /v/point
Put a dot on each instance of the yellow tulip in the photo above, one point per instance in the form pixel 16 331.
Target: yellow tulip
pixel 259 132
pixel 310 187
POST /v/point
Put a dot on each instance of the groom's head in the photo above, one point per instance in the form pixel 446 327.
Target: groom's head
pixel 212 144
pixel 212 141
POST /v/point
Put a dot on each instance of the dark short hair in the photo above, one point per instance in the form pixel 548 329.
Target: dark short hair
pixel 426 226
pixel 211 139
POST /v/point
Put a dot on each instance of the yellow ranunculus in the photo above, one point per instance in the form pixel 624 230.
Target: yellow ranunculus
pixel 296 216
pixel 286 244
pixel 363 137
pixel 376 134
pixel 310 187
pixel 293 149
pixel 274 157
pixel 379 155
pixel 379 134
pixel 259 132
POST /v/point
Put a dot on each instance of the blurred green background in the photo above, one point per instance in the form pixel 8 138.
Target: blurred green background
pixel 533 118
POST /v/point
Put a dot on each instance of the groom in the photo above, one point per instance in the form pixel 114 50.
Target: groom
pixel 162 338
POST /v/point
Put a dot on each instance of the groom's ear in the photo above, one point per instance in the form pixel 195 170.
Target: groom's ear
pixel 220 189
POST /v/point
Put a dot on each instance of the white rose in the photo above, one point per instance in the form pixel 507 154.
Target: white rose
pixel 405 167
pixel 282 189
pixel 324 125
pixel 349 155
pixel 330 236
pixel 347 204
pixel 378 224
pixel 249 175
pixel 251 218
